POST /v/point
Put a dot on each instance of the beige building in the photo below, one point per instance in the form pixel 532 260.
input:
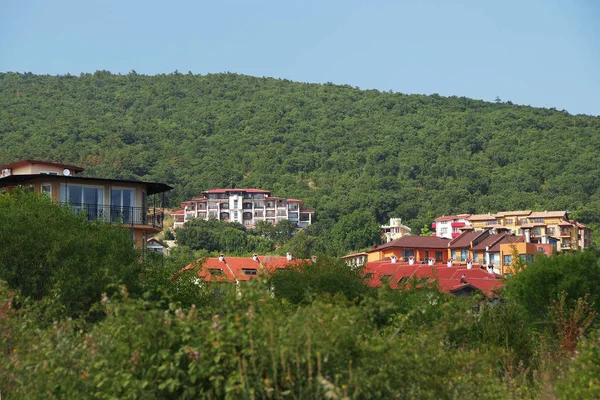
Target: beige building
pixel 395 230
pixel 112 200
pixel 541 227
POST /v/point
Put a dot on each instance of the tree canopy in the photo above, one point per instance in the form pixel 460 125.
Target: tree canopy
pixel 339 148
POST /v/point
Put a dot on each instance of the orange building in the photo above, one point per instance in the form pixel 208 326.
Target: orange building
pixel 420 248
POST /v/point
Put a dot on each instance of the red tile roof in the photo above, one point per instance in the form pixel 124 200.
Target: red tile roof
pixel 452 217
pixel 233 267
pixel 178 212
pixel 447 278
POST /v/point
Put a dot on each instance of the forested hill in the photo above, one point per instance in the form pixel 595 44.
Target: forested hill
pixel 337 147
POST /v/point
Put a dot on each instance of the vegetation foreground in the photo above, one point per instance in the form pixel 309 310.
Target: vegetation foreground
pixel 126 329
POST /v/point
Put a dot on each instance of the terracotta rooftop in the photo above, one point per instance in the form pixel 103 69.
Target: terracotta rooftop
pixel 452 217
pixel 448 279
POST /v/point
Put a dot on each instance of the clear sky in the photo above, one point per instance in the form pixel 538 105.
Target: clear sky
pixel 538 52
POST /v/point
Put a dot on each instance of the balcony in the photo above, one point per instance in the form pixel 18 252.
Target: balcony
pixel 457 224
pixel 118 214
pixel 434 225
pixel 455 234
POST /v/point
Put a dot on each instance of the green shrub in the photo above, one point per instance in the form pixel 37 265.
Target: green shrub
pixel 49 250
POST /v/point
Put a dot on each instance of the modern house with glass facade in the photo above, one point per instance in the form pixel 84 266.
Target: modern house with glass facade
pixel 119 201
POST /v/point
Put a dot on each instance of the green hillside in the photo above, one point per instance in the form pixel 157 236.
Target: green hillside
pixel 339 148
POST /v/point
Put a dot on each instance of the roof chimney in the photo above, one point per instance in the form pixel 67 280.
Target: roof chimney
pixel 221 258
pixel 288 255
pixel 255 257
pixel 393 259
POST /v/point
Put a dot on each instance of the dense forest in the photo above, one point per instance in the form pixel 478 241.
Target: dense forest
pixel 339 148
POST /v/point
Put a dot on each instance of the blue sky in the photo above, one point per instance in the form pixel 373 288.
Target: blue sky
pixel 542 53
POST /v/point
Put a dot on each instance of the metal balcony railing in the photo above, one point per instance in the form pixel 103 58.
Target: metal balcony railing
pixel 118 214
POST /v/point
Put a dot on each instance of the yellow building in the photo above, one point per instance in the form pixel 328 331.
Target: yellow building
pixel 546 227
pixel 111 200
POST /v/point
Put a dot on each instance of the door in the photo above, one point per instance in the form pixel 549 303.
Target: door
pixel 121 206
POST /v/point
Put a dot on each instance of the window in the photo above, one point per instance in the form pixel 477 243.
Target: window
pixel 385 278
pixel 526 258
pixel 407 253
pixel 537 231
pixel 259 204
pixel 464 254
pixel 443 231
pixel 249 271
pixel 508 221
pixel 550 230
pixel 439 256
pixel 88 199
pixel 537 220
pixel 507 259
pixel 235 204
pixel 216 271
pixel 453 254
pixel 368 276
pixel 494 259
pixel 293 206
pixel 403 279
pixel 47 189
pixel 523 221
pixel 304 217
pixel 258 214
pixel 476 257
pixel 48 173
pixel 121 205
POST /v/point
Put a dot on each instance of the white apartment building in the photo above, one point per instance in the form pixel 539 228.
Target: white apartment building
pixel 450 226
pixel 395 230
pixel 246 206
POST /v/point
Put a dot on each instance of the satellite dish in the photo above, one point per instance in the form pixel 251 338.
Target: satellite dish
pixel 66 172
